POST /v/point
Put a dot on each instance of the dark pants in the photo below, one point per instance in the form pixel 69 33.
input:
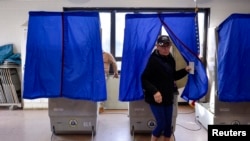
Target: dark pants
pixel 163 117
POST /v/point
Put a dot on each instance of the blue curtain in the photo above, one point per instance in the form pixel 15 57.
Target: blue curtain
pixel 233 59
pixel 43 64
pixel 64 56
pixel 185 37
pixel 83 67
pixel 141 31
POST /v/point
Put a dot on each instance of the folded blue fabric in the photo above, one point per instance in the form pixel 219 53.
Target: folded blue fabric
pixel 5 52
pixel 14 58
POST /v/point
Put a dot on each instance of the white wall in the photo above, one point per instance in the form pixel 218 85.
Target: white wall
pixel 13 13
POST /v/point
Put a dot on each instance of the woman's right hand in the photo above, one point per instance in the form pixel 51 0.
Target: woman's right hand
pixel 158 97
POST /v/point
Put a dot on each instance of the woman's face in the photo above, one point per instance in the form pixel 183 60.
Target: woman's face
pixel 164 49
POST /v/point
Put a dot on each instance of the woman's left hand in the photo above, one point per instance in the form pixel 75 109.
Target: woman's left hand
pixel 188 68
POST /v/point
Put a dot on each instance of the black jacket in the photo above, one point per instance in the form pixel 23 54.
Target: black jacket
pixel 160 75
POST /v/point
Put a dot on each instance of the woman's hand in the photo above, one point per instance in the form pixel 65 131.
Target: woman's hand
pixel 116 75
pixel 158 97
pixel 188 68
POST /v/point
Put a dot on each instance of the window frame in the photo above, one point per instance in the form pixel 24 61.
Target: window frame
pixel 114 10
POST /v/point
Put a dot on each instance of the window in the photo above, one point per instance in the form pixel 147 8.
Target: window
pixel 105 30
pixel 113 24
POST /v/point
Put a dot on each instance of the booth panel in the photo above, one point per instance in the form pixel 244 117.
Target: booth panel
pixel 142 125
pixel 68 116
pixel 69 107
pixel 139 108
pixel 73 125
pixel 237 119
pixel 141 118
pixel 231 108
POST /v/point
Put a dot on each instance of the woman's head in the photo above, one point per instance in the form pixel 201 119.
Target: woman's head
pixel 164 44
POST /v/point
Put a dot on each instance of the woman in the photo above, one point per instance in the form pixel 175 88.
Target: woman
pixel 158 83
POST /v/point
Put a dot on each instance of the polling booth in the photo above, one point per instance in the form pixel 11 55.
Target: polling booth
pixel 64 63
pixel 141 118
pixel 141 33
pixel 229 97
pixel 69 116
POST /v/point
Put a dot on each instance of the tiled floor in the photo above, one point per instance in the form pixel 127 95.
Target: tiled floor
pixel 34 125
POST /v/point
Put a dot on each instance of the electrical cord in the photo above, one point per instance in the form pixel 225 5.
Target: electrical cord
pixel 51 138
pixel 195 120
pixel 174 137
pixel 199 128
pixel 197 123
